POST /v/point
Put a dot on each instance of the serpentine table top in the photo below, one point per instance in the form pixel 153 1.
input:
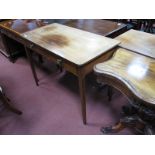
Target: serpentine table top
pixel 134 64
pixel 136 71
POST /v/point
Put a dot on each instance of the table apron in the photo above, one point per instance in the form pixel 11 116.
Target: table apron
pixel 77 70
pixel 71 67
pixel 87 68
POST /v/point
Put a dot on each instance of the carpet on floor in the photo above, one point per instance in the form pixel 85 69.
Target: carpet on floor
pixel 54 106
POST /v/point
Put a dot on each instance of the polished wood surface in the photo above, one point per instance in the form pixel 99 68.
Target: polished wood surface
pixel 11 30
pixel 22 25
pixel 138 41
pixel 97 26
pixel 135 71
pixel 72 44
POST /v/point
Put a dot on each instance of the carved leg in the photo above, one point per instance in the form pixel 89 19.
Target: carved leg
pixel 113 129
pixel 127 121
pixel 141 118
pixel 148 130
pixel 29 56
pixel 130 119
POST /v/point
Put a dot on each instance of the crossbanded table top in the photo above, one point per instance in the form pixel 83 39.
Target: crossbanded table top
pixel 72 44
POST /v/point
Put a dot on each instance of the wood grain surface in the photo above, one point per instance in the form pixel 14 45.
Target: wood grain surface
pixel 74 45
pixel 136 71
pixel 138 41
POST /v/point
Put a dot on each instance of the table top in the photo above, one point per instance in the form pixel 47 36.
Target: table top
pixel 102 27
pixel 136 71
pixel 22 25
pixel 97 26
pixel 74 45
pixel 138 41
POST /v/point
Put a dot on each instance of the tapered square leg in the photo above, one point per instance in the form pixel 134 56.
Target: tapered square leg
pixel 83 98
pixel 29 56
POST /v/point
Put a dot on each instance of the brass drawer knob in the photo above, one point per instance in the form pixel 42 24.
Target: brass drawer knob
pixel 59 64
pixel 31 46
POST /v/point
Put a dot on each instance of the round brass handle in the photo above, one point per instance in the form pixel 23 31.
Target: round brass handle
pixel 59 64
pixel 59 61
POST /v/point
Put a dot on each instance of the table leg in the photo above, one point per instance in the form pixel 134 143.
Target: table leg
pixel 29 56
pixel 83 97
pixel 6 42
pixel 138 117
